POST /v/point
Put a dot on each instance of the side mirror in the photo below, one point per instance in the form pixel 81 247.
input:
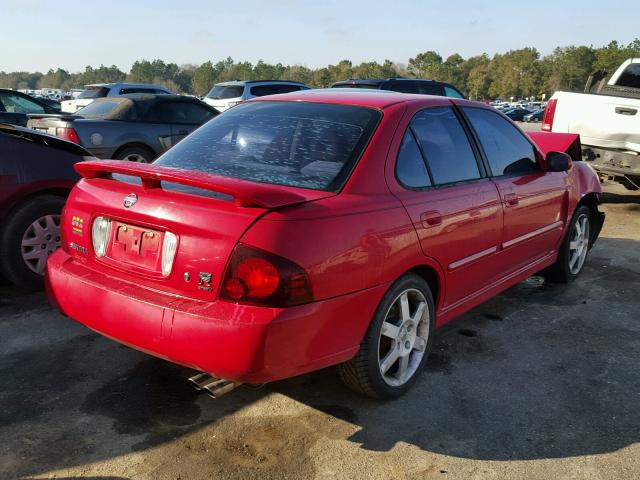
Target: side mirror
pixel 558 162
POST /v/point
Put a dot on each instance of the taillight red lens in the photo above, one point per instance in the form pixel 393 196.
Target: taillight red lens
pixel 549 113
pixel 256 277
pixel 68 134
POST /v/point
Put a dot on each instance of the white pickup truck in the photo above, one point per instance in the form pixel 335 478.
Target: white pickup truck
pixel 608 121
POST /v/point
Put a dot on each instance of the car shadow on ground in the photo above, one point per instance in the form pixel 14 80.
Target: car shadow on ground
pixel 541 371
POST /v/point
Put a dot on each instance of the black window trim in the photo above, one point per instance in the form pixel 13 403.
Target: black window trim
pixel 483 154
pixel 484 173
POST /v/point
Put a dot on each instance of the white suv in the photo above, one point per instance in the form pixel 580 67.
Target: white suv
pixel 227 94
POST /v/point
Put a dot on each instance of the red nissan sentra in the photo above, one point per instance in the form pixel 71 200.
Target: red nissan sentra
pixel 317 228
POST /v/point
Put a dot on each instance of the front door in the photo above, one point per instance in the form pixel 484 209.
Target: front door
pixel 534 200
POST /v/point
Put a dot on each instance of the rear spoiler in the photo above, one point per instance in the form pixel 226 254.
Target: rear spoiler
pixel 558 142
pixel 69 117
pixel 245 193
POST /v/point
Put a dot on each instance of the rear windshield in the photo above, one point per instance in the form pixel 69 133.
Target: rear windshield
pixel 630 77
pixel 307 145
pixel 222 92
pixel 94 92
pixel 99 109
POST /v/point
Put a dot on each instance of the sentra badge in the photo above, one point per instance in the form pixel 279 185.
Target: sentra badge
pixel 130 200
pixel 77 224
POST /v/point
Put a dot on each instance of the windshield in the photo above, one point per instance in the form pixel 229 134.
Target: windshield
pixel 308 145
pixel 222 92
pixel 94 92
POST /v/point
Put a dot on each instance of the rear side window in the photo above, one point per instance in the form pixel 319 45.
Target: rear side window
pixel 630 77
pixel 452 92
pixel 262 90
pixel 299 144
pixel 507 150
pixel 223 92
pixel 445 145
pixel 124 91
pixel 402 87
pixel 410 168
pixel 179 112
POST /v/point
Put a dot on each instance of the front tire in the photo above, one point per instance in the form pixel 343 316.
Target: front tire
pixel 31 233
pixel 575 247
pixel 395 348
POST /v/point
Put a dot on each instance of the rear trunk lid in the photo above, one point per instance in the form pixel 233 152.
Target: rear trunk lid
pixel 48 123
pixel 146 204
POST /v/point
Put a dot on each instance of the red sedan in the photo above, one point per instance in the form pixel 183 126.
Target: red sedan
pixel 317 228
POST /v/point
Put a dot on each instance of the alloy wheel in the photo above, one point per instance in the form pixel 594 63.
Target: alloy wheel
pixel 579 244
pixel 403 337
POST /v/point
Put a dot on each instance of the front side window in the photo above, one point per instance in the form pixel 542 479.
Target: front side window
pixel 262 90
pixel 299 144
pixel 17 104
pixel 507 150
pixel 410 167
pixel 445 145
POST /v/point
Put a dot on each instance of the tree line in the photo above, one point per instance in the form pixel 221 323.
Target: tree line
pixel 516 73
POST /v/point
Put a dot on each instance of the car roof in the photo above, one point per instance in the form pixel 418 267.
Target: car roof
pixel 373 81
pixel 245 82
pixel 365 97
pixel 125 84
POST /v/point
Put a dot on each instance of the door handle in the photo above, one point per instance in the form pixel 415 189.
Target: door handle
pixel 183 132
pixel 511 199
pixel 626 111
pixel 431 219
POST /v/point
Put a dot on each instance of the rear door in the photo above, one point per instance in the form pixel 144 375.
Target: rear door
pixel 534 201
pixel 454 207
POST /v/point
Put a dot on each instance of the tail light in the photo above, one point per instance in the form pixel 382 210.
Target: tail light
pixel 549 113
pixel 100 230
pixel 68 134
pixel 169 245
pixel 256 277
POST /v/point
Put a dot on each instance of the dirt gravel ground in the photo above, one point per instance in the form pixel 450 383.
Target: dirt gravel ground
pixel 541 382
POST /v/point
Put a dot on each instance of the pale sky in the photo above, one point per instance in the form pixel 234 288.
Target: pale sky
pixel 43 34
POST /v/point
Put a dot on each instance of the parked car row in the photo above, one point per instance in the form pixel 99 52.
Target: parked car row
pixel 135 126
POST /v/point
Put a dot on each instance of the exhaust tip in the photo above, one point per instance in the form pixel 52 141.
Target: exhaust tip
pixel 213 386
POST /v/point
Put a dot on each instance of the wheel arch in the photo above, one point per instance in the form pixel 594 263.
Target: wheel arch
pixel 591 201
pixel 137 144
pixel 433 278
pixel 17 202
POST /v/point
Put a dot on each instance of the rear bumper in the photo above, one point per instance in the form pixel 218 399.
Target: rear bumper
pixel 241 343
pixel 612 162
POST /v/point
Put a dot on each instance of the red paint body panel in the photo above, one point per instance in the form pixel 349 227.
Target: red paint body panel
pixel 477 238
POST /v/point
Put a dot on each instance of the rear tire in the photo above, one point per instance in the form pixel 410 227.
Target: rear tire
pixel 34 224
pixel 394 350
pixel 135 154
pixel 574 249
